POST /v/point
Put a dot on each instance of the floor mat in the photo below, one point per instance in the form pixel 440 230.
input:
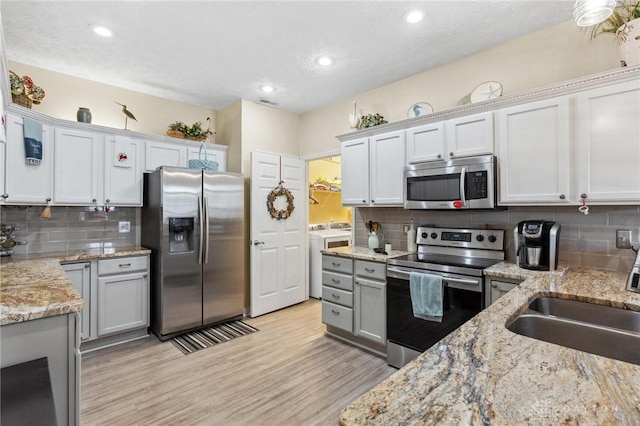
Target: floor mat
pixel 206 337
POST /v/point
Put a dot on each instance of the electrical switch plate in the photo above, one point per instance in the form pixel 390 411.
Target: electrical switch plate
pixel 124 227
pixel 623 238
pixel 405 228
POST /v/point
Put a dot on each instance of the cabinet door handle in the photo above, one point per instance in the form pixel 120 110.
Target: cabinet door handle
pixel 451 154
pixel 439 156
pixel 88 265
pixel 144 276
pixel 5 196
pixel 364 201
pixel 370 270
pixel 124 265
pixel 334 312
pixel 335 296
pixel 562 196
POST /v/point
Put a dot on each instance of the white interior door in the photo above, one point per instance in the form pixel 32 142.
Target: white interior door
pixel 278 247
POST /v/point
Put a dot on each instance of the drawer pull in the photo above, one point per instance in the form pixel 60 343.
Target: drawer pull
pixel 333 280
pixel 336 264
pixel 124 265
pixel 370 270
pixel 335 296
pixel 334 312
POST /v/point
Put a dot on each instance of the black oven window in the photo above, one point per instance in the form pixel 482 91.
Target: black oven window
pixel 434 188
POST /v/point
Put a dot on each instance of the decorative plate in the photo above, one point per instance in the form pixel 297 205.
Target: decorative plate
pixel 421 108
pixel 485 91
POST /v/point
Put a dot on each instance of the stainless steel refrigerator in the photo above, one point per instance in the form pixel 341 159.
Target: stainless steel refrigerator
pixel 193 221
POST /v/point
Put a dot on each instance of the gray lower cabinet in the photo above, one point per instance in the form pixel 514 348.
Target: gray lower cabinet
pixel 337 292
pixel 58 339
pixel 80 276
pixel 496 287
pixel 354 301
pixel 115 292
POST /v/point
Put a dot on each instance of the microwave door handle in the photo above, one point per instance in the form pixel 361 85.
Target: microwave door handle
pixel 463 180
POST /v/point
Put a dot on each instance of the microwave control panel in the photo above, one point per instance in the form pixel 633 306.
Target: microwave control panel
pixel 477 185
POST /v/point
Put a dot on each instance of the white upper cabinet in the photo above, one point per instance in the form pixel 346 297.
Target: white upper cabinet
pixel 214 153
pixel 458 137
pixel 470 135
pixel 122 171
pixel 533 147
pixel 164 154
pixel 372 170
pixel 78 166
pixel 354 163
pixel 425 143
pixel 608 143
pixel 386 169
pixel 27 183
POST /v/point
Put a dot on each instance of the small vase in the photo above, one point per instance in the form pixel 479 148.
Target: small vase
pixel 628 37
pixel 374 242
pixel 84 115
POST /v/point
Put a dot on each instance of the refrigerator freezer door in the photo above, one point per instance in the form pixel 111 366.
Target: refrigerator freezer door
pixel 181 276
pixel 224 268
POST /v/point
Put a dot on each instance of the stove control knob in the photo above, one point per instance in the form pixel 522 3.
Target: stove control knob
pixel 434 235
pixel 492 238
pixel 480 238
pixel 425 235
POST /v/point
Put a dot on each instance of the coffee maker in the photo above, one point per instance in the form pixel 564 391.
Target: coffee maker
pixel 537 244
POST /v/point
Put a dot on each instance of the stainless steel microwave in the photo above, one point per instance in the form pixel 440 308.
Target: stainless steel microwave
pixel 459 184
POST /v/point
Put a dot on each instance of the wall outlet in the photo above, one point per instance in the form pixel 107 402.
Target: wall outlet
pixel 405 228
pixel 124 227
pixel 623 238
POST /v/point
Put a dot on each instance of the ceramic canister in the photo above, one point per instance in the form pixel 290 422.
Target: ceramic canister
pixel 84 115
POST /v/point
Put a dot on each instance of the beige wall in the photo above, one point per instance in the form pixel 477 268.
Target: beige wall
pixel 555 54
pixel 265 128
pixel 64 94
pixel 229 130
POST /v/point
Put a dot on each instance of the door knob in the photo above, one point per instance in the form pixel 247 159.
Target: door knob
pixel 257 243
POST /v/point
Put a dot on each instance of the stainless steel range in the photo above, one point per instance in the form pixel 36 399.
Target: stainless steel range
pixel 457 255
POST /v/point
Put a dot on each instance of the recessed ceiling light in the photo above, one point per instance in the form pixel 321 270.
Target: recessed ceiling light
pixel 101 31
pixel 415 16
pixel 266 88
pixel 325 61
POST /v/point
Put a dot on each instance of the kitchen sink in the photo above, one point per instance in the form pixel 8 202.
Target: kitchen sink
pixel 597 329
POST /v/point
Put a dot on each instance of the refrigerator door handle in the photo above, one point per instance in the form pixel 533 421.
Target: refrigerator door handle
pixel 207 225
pixel 201 220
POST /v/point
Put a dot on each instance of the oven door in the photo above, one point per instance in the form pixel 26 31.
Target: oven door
pixel 410 336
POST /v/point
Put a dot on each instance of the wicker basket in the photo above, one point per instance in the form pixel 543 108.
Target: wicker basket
pixel 22 100
pixel 175 134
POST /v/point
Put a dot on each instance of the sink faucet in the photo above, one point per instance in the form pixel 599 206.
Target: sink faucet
pixel 633 282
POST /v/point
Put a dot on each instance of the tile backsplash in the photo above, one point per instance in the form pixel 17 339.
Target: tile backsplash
pixel 70 228
pixel 584 240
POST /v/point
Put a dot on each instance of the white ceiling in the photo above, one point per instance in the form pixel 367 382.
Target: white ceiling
pixel 211 53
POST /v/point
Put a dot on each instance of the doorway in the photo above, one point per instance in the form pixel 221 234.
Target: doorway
pixel 325 186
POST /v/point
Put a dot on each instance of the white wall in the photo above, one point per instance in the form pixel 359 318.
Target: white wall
pixel 64 94
pixel 554 54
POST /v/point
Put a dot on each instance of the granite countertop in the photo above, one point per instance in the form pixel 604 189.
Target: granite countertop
pixel 36 286
pixel 363 253
pixel 484 374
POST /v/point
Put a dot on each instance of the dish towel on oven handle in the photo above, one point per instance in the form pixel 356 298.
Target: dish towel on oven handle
pixel 32 133
pixel 426 296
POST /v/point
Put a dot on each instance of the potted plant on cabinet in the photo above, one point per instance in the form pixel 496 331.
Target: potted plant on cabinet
pixel 624 22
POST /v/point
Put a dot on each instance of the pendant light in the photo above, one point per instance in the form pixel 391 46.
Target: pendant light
pixel 592 12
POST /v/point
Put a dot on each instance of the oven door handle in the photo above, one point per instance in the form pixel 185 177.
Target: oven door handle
pixel 463 182
pixel 462 283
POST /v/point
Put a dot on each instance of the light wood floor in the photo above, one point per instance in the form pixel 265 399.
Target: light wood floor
pixel 288 373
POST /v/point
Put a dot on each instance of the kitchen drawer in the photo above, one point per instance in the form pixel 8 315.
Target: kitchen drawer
pixel 333 279
pixel 341 297
pixel 122 265
pixel 337 264
pixel 372 270
pixel 337 316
